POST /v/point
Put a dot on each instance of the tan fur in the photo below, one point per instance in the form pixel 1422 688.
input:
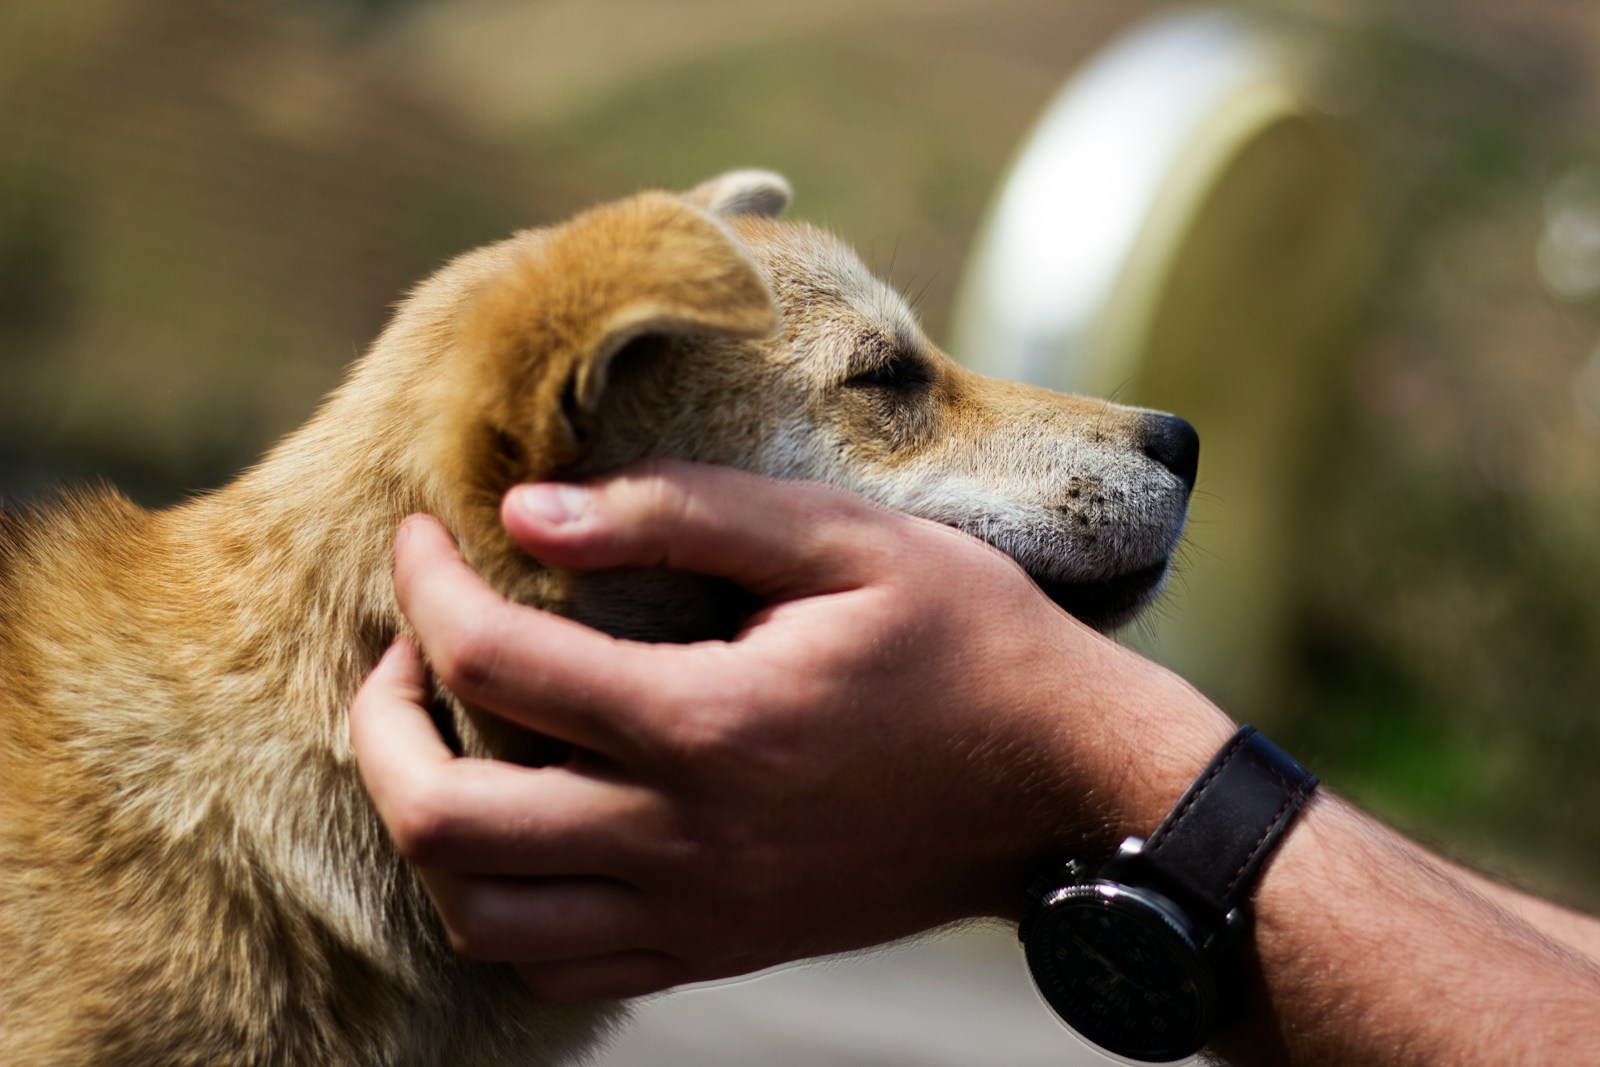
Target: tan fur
pixel 189 870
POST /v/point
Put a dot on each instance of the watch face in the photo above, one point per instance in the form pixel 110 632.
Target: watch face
pixel 1124 968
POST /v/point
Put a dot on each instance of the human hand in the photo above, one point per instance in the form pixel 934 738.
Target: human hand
pixel 897 740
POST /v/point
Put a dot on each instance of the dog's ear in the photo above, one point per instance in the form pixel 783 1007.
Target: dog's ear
pixel 744 192
pixel 536 341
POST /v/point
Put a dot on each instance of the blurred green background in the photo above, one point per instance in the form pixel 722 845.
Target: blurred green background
pixel 207 208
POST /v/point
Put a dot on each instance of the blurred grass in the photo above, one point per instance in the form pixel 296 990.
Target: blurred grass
pixel 206 210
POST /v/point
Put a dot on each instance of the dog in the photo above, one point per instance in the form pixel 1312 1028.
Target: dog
pixel 190 872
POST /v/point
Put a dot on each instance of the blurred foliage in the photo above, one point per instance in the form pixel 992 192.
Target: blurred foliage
pixel 206 209
pixel 1449 612
pixel 187 259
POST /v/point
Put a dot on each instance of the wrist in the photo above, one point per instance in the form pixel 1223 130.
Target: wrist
pixel 1173 733
pixel 1137 953
pixel 1155 734
pixel 1115 741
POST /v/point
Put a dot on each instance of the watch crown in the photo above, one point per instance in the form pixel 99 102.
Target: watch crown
pixel 1044 886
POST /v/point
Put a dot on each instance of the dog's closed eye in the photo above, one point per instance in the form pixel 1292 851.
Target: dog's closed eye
pixel 897 373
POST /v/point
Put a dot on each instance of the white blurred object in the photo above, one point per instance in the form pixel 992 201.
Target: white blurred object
pixel 1569 247
pixel 1568 257
pixel 1182 231
pixel 1136 135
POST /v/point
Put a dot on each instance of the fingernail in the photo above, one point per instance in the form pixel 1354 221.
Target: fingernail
pixel 550 503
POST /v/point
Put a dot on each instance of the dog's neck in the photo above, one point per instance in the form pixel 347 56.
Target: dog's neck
pixel 296 555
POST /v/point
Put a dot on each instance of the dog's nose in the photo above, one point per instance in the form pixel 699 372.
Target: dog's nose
pixel 1173 443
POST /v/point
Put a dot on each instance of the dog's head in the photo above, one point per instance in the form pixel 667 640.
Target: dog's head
pixel 701 327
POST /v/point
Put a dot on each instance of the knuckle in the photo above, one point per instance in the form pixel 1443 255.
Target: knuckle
pixel 468 658
pixel 704 736
pixel 663 509
pixel 465 908
pixel 749 723
pixel 471 937
pixel 423 827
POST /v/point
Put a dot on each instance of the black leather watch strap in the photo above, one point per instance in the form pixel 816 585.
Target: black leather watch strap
pixel 1223 828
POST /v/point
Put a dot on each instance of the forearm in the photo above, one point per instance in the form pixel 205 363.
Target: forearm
pixel 1371 951
pixel 1573 930
pixel 1366 949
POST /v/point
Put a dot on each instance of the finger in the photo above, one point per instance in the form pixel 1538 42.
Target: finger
pixel 776 539
pixel 390 730
pixel 483 815
pixel 540 921
pixel 616 976
pixel 540 670
pixel 488 817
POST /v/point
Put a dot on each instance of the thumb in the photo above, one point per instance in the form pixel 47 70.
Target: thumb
pixel 778 539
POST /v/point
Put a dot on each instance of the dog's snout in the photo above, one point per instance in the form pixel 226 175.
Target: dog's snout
pixel 1174 444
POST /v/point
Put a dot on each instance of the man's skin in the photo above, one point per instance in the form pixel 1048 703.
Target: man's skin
pixel 898 740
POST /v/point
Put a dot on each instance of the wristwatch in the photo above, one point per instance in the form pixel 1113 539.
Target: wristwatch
pixel 1133 953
